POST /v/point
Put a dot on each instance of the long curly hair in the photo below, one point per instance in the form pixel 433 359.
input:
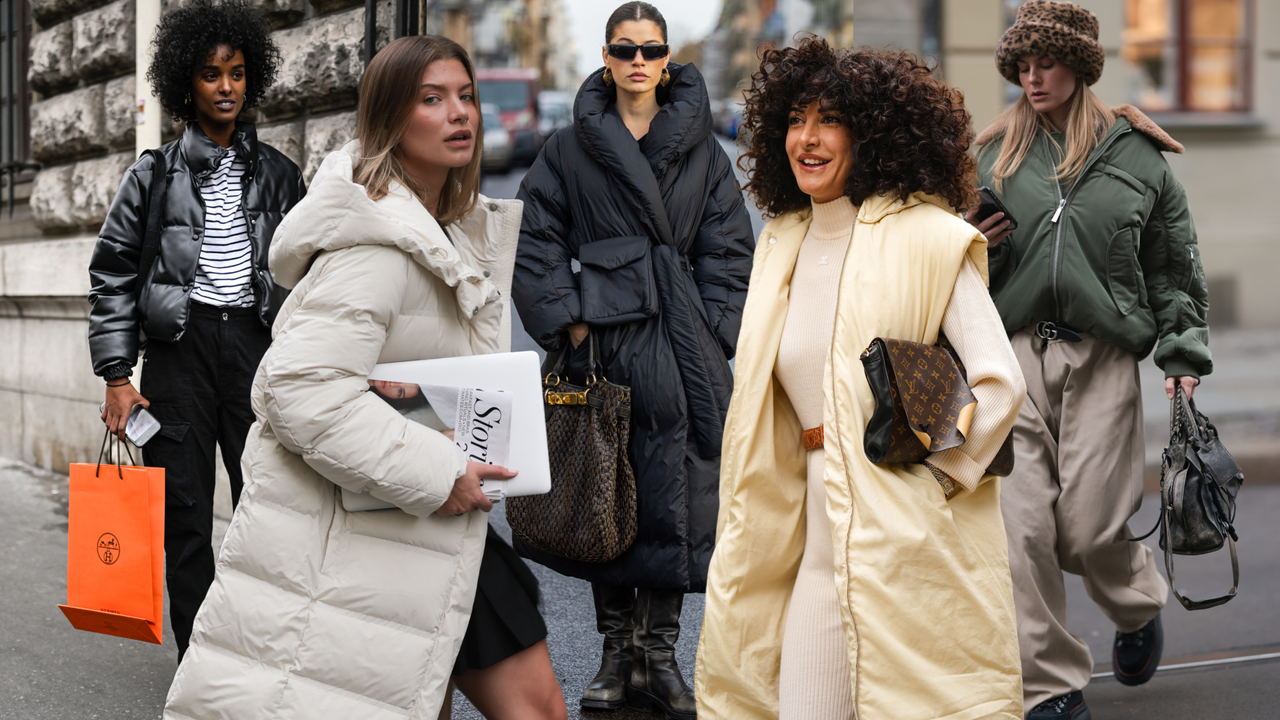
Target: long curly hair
pixel 910 131
pixel 187 34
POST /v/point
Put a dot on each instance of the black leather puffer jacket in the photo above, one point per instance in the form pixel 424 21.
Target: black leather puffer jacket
pixel 119 325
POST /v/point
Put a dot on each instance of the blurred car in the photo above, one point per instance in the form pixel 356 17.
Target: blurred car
pixel 555 110
pixel 497 141
pixel 515 92
pixel 732 121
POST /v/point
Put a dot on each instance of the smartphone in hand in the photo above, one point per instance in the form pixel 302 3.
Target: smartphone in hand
pixel 142 425
pixel 989 205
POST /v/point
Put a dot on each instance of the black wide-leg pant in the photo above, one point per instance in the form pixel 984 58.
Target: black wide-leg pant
pixel 199 392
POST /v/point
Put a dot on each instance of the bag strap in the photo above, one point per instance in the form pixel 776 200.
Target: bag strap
pixel 593 361
pixel 155 218
pixel 104 451
pixel 1173 582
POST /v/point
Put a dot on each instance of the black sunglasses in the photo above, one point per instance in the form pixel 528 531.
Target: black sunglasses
pixel 627 52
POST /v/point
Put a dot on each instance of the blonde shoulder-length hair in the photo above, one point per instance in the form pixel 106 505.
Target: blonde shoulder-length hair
pixel 1088 120
pixel 389 92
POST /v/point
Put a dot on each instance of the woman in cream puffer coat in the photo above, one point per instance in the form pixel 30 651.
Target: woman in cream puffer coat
pixel 316 612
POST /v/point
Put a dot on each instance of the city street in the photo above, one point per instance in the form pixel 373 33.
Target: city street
pixel 50 671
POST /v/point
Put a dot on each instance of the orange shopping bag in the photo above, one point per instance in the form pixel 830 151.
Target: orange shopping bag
pixel 115 550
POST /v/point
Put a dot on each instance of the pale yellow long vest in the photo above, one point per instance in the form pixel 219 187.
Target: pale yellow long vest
pixel 925 595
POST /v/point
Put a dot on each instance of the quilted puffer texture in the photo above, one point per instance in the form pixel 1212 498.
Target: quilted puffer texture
pixel 599 196
pixel 315 612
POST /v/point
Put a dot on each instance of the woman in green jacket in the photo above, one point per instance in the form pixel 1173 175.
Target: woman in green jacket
pixel 1102 268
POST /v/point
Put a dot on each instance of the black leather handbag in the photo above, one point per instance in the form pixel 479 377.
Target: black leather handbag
pixel 1199 481
pixel 590 513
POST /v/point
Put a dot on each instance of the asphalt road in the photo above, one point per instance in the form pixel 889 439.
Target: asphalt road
pixel 49 671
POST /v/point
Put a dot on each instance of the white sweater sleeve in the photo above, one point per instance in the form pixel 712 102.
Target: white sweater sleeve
pixel 973 326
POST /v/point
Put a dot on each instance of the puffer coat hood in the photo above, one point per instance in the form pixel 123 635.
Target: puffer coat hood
pixel 664 240
pixel 316 612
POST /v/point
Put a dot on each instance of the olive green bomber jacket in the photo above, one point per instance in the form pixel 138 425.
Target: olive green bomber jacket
pixel 1113 254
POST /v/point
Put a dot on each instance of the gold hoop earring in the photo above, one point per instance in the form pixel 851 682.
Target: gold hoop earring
pixel 608 77
pixel 666 78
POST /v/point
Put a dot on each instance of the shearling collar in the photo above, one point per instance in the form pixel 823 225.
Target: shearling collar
pixel 1136 118
pixel 202 155
pixel 1148 127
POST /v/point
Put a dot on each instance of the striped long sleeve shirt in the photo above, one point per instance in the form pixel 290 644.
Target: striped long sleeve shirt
pixel 226 256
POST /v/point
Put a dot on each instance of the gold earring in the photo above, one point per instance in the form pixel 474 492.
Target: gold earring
pixel 188 99
pixel 666 78
pixel 608 77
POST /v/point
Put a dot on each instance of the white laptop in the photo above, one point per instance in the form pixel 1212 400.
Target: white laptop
pixel 462 393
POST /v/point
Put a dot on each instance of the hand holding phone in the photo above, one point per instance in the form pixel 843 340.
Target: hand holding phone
pixel 990 217
pixel 140 427
pixel 989 205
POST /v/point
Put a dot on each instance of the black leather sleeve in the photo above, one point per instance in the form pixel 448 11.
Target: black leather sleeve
pixel 113 275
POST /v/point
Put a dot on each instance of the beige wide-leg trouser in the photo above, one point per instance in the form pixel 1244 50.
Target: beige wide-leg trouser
pixel 1077 480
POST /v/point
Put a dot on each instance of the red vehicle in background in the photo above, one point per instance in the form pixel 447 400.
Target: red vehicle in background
pixel 515 92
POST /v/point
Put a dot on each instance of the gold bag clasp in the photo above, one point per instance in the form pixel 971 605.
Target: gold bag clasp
pixel 567 398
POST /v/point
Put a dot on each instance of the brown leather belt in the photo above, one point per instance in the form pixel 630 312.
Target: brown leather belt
pixel 812 438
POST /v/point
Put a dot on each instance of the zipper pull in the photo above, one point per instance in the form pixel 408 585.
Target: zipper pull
pixel 1061 204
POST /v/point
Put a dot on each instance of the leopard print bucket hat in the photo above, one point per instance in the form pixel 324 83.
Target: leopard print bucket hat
pixel 1063 30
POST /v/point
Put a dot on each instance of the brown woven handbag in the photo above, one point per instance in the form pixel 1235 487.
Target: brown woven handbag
pixel 590 513
pixel 923 403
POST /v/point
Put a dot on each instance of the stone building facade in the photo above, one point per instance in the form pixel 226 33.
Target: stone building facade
pixel 82 122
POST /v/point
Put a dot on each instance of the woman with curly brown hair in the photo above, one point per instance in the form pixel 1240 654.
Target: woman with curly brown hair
pixel 841 588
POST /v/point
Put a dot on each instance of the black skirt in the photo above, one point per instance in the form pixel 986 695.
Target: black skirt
pixel 505 617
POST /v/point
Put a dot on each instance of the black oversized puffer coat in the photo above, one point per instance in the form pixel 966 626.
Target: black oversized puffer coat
pixel 119 324
pixel 597 195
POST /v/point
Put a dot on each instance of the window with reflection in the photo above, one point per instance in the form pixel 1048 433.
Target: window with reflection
pixel 1189 55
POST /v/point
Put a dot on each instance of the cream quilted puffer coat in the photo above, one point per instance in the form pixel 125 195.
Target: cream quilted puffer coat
pixel 318 613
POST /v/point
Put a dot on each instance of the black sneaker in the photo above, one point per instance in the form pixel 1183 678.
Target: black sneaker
pixel 1064 707
pixel 1137 654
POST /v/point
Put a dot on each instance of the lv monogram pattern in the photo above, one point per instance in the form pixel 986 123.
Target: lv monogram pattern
pixel 929 396
pixel 1002 464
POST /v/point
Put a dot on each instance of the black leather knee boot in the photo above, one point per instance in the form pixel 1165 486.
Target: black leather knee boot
pixel 615 609
pixel 656 683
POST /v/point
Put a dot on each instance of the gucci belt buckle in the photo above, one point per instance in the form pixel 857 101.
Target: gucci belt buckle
pixel 1046 330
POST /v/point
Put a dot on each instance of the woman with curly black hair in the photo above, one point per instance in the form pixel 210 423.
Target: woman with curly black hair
pixel 842 588
pixel 191 279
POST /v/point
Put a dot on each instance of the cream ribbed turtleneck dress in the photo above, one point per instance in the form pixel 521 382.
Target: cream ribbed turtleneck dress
pixel 814 684
pixel 815 681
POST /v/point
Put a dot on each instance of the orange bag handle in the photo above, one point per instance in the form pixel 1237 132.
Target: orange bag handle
pixel 104 450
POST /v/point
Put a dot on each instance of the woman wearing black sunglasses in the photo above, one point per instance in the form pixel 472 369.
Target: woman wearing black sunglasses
pixel 642 195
